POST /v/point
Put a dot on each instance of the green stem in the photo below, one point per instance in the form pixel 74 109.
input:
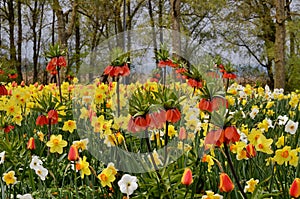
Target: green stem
pixel 271 181
pixel 227 85
pixel 233 171
pixel 118 96
pixel 166 141
pixel 151 155
pixel 59 86
pixel 165 76
pixel 186 191
pixel 75 180
pixel 49 134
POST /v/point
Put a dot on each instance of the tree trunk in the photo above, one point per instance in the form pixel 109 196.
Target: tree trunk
pixel 280 45
pixel 176 41
pixel 53 28
pixel 34 37
pixel 19 61
pixel 175 17
pixel 152 24
pixel 160 21
pixel 11 21
pixel 65 25
pixel 77 44
pixel 65 29
pixel 118 23
pixel 42 6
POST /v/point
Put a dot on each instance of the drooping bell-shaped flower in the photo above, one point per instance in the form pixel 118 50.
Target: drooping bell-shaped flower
pixel 173 115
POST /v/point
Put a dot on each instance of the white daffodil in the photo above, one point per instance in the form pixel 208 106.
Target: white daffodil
pixel 2 157
pixel 243 137
pixel 25 196
pixel 291 127
pixel 270 125
pixel 35 162
pixel 282 119
pixel 128 184
pixel 41 172
pixel 254 112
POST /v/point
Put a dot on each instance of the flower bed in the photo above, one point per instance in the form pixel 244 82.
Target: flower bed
pixel 206 137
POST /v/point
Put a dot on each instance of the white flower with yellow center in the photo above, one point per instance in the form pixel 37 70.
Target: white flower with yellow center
pixel 291 127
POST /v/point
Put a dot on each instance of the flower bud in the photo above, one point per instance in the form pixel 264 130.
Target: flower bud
pixel 226 184
pixel 295 188
pixel 182 134
pixel 31 144
pixel 73 153
pixel 187 177
pixel 251 152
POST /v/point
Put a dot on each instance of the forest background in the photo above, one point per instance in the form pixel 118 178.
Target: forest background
pixel 259 37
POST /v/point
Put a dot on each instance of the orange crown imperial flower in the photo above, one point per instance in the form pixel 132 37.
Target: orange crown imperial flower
pixel 53 116
pixel 231 135
pixel 41 120
pixel 173 115
pixel 205 105
pixel 3 90
pixel 187 177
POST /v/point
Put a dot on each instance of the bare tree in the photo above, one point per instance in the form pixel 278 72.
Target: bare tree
pixel 280 44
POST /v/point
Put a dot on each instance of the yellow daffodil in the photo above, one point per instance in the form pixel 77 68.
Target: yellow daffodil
pixel 106 127
pixel 111 166
pixel 12 108
pixel 99 98
pixel 186 147
pixel 283 155
pixel 56 144
pixel 264 145
pixel 294 158
pixel 260 91
pixel 231 100
pixel 81 144
pixel 17 119
pixel 106 177
pixel 210 161
pixel 239 149
pixel 41 136
pixel 270 112
pixel 251 184
pixel 294 101
pixel 69 125
pixel 171 131
pixel 280 142
pixel 83 166
pixel 254 136
pixel 84 113
pixel 211 195
pixel 9 178
pixel 156 158
pixel 270 104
